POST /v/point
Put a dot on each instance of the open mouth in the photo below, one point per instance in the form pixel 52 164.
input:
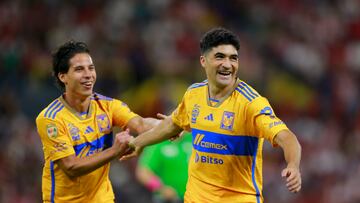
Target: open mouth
pixel 224 73
pixel 87 84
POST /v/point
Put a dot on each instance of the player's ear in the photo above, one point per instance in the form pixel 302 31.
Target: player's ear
pixel 62 77
pixel 202 61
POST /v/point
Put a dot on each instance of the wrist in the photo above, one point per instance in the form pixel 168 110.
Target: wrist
pixel 154 184
pixel 115 151
pixel 292 165
pixel 134 143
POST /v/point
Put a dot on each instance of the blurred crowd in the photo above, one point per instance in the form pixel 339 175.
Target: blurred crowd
pixel 303 55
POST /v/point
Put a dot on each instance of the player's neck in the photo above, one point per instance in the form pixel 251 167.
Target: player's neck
pixel 220 92
pixel 79 104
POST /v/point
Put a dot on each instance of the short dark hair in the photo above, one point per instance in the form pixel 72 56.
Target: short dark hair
pixel 62 56
pixel 218 36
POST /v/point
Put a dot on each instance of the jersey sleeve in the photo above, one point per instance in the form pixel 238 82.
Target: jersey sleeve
pixel 262 121
pixel 121 113
pixel 56 142
pixel 180 116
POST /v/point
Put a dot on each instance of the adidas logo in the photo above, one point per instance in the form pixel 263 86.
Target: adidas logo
pixel 209 117
pixel 89 130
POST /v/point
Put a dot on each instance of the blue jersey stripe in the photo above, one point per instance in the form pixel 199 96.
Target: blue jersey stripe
pixel 214 100
pixel 216 143
pixel 251 91
pixel 101 143
pixel 89 129
pixel 52 172
pixel 196 85
pixel 53 109
pixel 247 91
pixel 51 105
pixel 203 82
pixel 199 84
pixel 62 106
pixel 247 97
pixel 101 97
pixel 253 177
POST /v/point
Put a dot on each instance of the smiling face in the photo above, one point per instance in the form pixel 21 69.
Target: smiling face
pixel 221 64
pixel 81 76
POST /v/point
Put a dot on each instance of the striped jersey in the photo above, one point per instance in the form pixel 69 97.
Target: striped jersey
pixel 64 132
pixel 227 139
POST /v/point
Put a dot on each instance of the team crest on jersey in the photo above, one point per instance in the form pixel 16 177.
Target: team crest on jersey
pixel 195 113
pixel 227 121
pixel 74 132
pixel 103 122
pixel 51 130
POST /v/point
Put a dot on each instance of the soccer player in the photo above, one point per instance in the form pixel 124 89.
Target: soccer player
pixel 76 131
pixel 229 121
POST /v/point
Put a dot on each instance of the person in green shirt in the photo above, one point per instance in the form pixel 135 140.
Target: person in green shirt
pixel 163 169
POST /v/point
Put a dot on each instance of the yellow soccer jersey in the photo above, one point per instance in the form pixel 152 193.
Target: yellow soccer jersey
pixel 64 132
pixel 226 161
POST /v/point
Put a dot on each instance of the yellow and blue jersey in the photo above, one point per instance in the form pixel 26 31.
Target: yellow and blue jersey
pixel 64 132
pixel 228 135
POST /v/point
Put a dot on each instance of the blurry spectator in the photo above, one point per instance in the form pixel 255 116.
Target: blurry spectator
pixel 157 165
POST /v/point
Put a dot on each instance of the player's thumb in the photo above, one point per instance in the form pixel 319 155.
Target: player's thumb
pixel 161 116
pixel 125 157
pixel 285 173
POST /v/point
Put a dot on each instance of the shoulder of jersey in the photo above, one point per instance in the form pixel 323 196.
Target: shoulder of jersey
pixel 198 85
pixel 99 97
pixel 55 107
pixel 52 110
pixel 246 91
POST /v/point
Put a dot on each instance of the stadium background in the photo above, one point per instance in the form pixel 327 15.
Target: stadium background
pixel 303 55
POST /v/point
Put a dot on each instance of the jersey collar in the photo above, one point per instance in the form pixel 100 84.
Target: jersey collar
pixel 217 102
pixel 74 112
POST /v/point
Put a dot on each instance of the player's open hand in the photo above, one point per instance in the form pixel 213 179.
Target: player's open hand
pixel 293 179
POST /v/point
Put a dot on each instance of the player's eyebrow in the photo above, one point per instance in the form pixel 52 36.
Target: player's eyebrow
pixel 80 66
pixel 222 54
pixel 219 54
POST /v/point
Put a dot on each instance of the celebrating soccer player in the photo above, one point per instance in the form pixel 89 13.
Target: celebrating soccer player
pixel 76 131
pixel 229 121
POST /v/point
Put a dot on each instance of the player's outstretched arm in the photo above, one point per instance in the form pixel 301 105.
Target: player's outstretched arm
pixel 138 125
pixel 292 152
pixel 75 166
pixel 175 137
pixel 165 130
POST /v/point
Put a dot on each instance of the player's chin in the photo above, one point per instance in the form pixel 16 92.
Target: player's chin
pixel 87 93
pixel 224 82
